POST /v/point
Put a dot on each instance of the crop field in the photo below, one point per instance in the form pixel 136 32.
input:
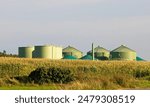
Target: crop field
pixel 89 75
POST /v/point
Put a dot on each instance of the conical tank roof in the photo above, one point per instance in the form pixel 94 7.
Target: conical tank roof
pixel 99 49
pixel 139 58
pixel 122 48
pixel 87 57
pixel 69 48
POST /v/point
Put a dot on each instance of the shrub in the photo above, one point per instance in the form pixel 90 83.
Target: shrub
pixel 140 74
pixel 39 76
pixel 53 74
pixel 59 75
pixel 22 79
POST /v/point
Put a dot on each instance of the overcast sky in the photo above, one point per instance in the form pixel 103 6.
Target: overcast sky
pixel 108 23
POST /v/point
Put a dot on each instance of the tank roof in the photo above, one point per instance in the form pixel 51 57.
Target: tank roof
pixel 87 57
pixel 70 47
pixel 99 49
pixel 47 46
pixel 27 47
pixel 123 48
pixel 139 58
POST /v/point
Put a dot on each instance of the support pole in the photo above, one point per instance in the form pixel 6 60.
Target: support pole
pixel 93 52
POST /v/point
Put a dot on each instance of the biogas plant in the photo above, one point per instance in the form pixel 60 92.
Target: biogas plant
pixel 46 51
pixel 71 53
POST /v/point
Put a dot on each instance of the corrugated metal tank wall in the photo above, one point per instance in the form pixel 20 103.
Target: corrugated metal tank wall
pixel 77 54
pixel 56 52
pixel 25 52
pixel 100 53
pixel 123 55
pixel 49 52
pixel 59 52
pixel 73 53
pixel 42 52
pixel 67 53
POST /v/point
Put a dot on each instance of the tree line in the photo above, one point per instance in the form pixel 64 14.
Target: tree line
pixel 5 54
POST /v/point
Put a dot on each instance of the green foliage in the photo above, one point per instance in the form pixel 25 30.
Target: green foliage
pixel 60 75
pixel 4 54
pixel 39 76
pixel 140 74
pixel 53 74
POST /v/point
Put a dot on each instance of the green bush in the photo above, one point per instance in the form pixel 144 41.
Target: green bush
pixel 39 76
pixel 53 74
pixel 140 74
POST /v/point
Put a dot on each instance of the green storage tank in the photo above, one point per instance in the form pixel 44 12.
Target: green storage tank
pixel 139 58
pixel 69 57
pixel 42 52
pixel 56 52
pixel 123 53
pixel 71 51
pixel 47 52
pixel 100 53
pixel 88 57
pixel 25 52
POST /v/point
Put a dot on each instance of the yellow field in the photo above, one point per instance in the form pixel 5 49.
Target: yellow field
pixel 89 74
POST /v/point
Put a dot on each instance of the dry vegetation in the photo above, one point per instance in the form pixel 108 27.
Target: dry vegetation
pixel 89 74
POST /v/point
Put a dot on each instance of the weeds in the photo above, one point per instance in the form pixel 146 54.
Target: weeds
pixel 88 74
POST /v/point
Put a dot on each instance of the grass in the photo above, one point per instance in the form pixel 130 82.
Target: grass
pixel 93 75
pixel 28 88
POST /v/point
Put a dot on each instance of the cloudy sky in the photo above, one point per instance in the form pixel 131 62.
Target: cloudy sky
pixel 108 23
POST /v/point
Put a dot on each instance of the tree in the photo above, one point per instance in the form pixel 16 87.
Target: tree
pixel 4 52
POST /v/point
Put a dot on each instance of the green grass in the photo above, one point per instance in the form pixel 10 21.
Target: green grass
pixel 90 75
pixel 29 88
pixel 79 86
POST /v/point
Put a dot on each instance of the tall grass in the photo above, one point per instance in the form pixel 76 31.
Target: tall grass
pixel 89 74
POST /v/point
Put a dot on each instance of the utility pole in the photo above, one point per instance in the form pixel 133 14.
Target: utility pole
pixel 93 52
